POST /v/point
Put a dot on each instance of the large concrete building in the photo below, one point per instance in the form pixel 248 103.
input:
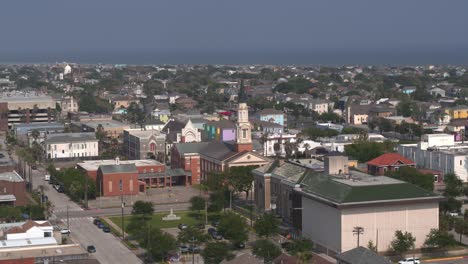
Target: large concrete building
pixel 327 208
pixel 438 152
pixel 71 145
pixel 25 107
pixel 24 132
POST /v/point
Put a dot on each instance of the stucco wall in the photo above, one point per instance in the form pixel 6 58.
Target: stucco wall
pixel 417 219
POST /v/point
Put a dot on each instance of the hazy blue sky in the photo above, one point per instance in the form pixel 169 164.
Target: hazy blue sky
pixel 240 26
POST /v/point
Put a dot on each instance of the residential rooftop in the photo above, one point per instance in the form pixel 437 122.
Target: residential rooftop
pixel 11 176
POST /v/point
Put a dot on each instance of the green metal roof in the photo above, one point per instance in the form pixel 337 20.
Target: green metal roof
pixel 121 168
pixel 337 191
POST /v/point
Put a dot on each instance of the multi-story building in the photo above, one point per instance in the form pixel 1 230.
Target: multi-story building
pixel 71 145
pixel 187 157
pixel 438 152
pixel 141 144
pixel 112 128
pixel 68 104
pixel 457 112
pixel 25 107
pixel 319 106
pixel 279 141
pixel 222 130
pixel 24 132
pixel 272 115
pixel 326 207
pixel 12 189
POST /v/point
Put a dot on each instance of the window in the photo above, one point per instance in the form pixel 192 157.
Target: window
pixel 461 162
pixel 63 151
pixel 110 186
pixel 244 133
pixel 120 185
pixel 47 234
pixel 436 178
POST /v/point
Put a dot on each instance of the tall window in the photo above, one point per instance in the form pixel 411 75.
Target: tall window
pixel 120 185
pixel 152 147
pixel 244 133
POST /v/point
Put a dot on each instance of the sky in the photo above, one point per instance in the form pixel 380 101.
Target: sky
pixel 242 28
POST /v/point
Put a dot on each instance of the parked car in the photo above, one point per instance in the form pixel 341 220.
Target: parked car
pixel 214 234
pixel 65 231
pixel 183 226
pixel 47 177
pixel 409 261
pixel 97 221
pixel 106 229
pixel 240 245
pixel 183 249
pixel 91 249
pixel 453 214
pixel 101 225
pixel 194 249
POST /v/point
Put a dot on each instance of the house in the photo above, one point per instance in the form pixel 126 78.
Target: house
pixel 437 92
pixel 162 115
pixel 408 90
pixel 361 255
pixel 339 199
pixel 381 111
pixel 113 129
pixel 141 144
pixel 457 125
pixel 222 130
pixel 280 141
pixel 71 145
pixel 357 114
pixel 457 112
pixel 267 127
pixel 318 105
pixel 272 115
pixel 186 103
pixel 120 102
pixel 13 189
pixel 26 234
pixel 388 162
pixel 438 152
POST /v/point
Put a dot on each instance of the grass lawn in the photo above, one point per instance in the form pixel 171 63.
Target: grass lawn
pixel 186 217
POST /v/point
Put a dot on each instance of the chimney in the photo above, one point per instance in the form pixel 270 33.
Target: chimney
pixel 117 161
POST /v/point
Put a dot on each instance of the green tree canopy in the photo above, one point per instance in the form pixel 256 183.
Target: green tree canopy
pixel 267 225
pixel 364 150
pixel 197 203
pixel 216 252
pixel 402 242
pixel 266 250
pixel 412 175
pixel 193 235
pixel 158 243
pixel 143 208
pixel 233 227
pixel 439 239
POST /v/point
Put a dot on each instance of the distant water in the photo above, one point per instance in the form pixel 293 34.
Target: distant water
pixel 419 57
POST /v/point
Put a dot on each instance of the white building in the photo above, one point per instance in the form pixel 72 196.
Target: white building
pixel 319 106
pixel 71 145
pixel 281 139
pixel 67 69
pixel 438 152
pixel 27 234
pixel 189 133
pixel 68 104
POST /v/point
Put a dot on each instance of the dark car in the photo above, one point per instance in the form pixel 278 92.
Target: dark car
pixel 106 229
pixel 60 189
pixel 214 234
pixel 240 245
pixel 194 249
pixel 97 221
pixel 101 225
pixel 91 249
pixel 183 226
pixel 183 249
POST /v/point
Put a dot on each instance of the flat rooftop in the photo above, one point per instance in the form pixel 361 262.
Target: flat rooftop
pixel 357 178
pixel 70 137
pixel 43 251
pixel 11 176
pixel 144 133
pixel 106 124
pixel 19 96
pixel 93 165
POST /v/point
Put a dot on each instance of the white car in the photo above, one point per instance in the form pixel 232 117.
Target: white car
pixel 47 177
pixel 65 231
pixel 409 261
pixel 453 214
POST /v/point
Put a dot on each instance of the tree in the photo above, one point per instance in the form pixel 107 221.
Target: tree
pixel 158 243
pixel 412 175
pixel 299 246
pixel 241 179
pixel 402 242
pixel 267 225
pixel 461 227
pixel 143 208
pixel 364 150
pixel 450 205
pixel 242 96
pixel 439 239
pixel 453 185
pixel 192 234
pixel 233 227
pixel 314 132
pixel 266 249
pixel 197 204
pixel 216 252
pixel 371 246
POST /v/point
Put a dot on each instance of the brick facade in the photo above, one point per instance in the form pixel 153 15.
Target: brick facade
pixel 115 184
pixel 18 189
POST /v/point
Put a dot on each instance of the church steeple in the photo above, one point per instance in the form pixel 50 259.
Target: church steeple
pixel 244 134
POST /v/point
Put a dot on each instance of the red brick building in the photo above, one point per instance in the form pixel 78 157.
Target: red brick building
pixel 388 162
pixel 12 189
pixel 186 156
pixel 129 177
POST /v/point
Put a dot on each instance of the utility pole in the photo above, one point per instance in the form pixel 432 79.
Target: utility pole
pixel 68 219
pixel 123 226
pixel 358 231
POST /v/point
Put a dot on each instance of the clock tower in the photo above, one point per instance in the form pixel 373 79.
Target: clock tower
pixel 244 136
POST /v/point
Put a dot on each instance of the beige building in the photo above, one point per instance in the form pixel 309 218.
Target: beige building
pixel 68 104
pixel 327 208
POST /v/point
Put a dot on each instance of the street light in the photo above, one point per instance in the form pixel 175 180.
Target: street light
pixel 358 231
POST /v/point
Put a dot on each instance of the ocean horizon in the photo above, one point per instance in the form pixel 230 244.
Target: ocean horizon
pixel 394 58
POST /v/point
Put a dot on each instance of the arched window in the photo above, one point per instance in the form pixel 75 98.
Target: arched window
pixel 152 147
